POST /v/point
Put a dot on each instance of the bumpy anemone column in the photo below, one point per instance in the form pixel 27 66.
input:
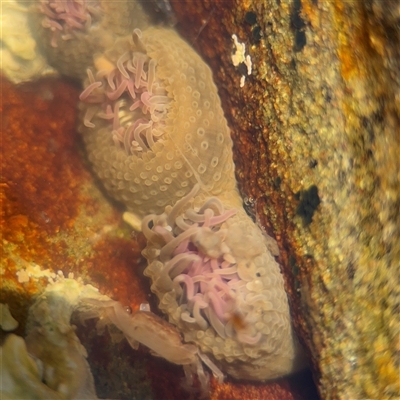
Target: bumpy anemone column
pixel 72 31
pixel 153 123
pixel 219 284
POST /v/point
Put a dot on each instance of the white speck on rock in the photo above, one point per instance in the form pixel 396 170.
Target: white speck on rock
pixel 239 57
pixel 35 272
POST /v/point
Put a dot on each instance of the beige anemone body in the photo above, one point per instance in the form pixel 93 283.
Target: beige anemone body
pixel 196 146
pixel 195 150
pixel 256 340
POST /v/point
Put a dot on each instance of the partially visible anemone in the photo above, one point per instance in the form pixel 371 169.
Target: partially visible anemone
pixel 70 32
pixel 64 17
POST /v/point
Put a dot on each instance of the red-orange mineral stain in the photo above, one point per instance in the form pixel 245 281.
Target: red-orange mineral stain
pixel 40 160
pixel 41 167
pixel 114 271
pixel 41 171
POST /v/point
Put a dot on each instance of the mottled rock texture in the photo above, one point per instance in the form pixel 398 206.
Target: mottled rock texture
pixel 316 144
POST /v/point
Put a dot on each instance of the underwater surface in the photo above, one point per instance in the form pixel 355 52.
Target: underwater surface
pixel 311 127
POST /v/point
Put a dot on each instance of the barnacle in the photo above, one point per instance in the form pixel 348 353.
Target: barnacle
pixel 52 340
pixel 51 362
pixel 20 374
pixel 7 321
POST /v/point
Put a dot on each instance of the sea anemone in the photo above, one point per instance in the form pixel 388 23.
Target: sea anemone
pixel 63 17
pixel 70 32
pixel 156 135
pixel 197 263
pixel 218 283
pixel 153 124
pixel 131 98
